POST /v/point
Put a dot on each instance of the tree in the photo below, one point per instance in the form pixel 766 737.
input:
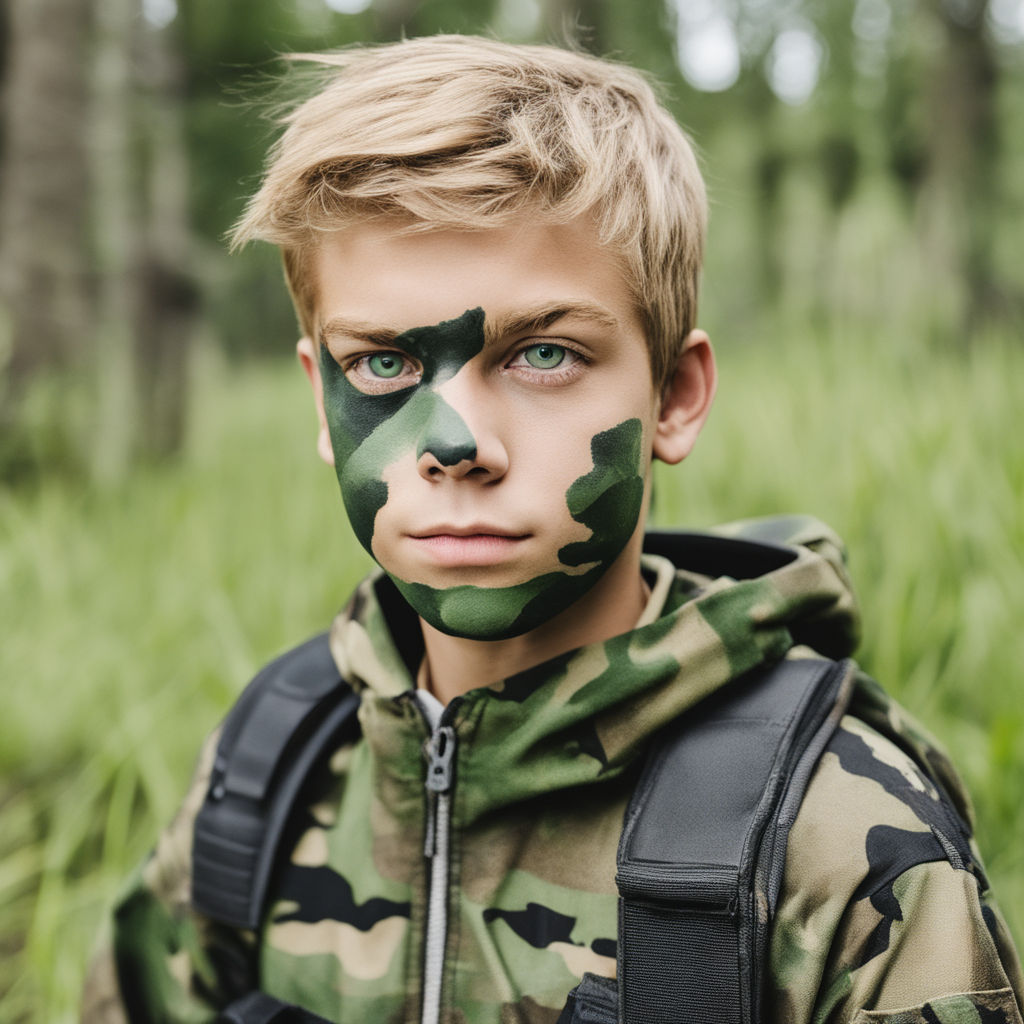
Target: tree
pixel 958 194
pixel 45 308
pixel 169 292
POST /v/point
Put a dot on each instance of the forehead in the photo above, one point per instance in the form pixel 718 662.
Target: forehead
pixel 383 275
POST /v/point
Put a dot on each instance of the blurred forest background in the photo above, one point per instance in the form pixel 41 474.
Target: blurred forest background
pixel 165 526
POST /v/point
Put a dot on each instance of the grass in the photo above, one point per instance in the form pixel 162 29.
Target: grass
pixel 133 615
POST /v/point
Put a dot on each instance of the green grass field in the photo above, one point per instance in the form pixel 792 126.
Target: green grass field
pixel 132 616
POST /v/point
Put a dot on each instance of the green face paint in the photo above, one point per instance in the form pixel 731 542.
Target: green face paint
pixel 371 431
pixel 368 432
pixel 608 499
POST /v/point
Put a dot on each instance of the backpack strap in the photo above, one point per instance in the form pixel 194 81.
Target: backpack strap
pixel 293 712
pixel 703 844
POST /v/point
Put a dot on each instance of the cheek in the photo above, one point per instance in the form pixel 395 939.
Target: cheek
pixel 609 498
pixel 361 472
pixel 425 418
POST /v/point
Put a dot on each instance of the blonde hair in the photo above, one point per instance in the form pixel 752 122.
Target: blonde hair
pixel 465 132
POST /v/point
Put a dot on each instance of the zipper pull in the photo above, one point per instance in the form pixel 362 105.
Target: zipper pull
pixel 441 759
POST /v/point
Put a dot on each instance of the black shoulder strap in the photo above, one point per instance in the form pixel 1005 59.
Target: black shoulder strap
pixel 701 855
pixel 295 710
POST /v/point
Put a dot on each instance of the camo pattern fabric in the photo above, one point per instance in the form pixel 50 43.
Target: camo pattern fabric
pixel 884 913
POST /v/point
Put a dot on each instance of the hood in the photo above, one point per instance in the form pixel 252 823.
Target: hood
pixel 722 603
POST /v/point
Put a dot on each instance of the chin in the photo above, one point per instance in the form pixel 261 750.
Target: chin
pixel 496 612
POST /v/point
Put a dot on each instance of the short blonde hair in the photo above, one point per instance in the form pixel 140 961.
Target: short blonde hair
pixel 466 132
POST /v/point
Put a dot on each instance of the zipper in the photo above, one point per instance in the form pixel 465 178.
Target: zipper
pixel 440 773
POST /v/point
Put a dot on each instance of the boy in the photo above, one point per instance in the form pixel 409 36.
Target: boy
pixel 493 252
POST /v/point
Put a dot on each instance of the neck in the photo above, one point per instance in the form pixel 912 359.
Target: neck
pixel 613 605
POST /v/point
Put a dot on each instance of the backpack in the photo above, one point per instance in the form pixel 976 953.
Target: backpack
pixel 693 934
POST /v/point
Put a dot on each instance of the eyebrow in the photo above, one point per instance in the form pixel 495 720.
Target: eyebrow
pixel 546 315
pixel 358 330
pixel 536 318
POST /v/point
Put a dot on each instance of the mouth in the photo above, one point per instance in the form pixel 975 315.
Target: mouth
pixel 478 544
pixel 470 530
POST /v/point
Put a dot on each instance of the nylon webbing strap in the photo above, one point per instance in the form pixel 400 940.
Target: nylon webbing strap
pixel 703 824
pixel 258 1008
pixel 292 712
pixel 658 942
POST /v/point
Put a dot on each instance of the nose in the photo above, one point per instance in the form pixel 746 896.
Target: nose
pixel 449 448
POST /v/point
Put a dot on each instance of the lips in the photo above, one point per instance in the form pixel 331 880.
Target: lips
pixel 477 544
pixel 472 530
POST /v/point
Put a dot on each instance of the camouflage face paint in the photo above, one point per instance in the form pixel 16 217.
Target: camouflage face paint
pixel 370 431
pixel 608 499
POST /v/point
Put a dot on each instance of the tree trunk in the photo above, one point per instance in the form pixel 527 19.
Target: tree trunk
pixel 958 199
pixel 169 294
pixel 44 307
pixel 116 217
pixel 770 165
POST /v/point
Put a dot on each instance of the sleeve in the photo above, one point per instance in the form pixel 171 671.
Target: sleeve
pixel 885 913
pixel 163 962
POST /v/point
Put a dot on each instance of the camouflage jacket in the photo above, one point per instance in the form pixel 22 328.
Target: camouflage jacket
pixel 877 920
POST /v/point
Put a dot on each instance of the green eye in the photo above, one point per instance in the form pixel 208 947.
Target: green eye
pixel 544 357
pixel 386 364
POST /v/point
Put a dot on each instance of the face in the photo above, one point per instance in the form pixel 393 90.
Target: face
pixel 490 412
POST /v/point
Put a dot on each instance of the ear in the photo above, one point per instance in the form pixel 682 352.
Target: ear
pixel 311 365
pixel 687 399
